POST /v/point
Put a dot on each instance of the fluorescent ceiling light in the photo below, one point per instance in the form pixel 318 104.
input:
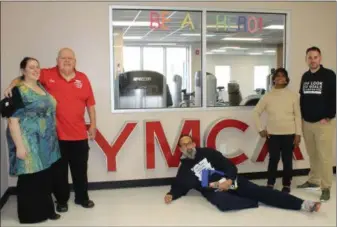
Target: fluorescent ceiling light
pixel 190 34
pixel 132 37
pixel 161 44
pixel 230 48
pixel 234 48
pixel 241 39
pixel 218 51
pixel 196 34
pixel 275 26
pixel 269 51
pixel 221 26
pixel 133 23
pixel 257 53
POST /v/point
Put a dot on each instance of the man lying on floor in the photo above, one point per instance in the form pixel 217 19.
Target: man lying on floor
pixel 215 177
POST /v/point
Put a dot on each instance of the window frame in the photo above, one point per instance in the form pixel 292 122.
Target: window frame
pixel 203 10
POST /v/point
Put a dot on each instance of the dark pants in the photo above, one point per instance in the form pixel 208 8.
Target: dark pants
pixel 248 194
pixel 280 146
pixel 75 154
pixel 34 197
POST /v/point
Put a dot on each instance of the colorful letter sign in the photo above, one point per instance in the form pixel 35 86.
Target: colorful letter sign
pixel 250 24
pixel 188 21
pixel 158 21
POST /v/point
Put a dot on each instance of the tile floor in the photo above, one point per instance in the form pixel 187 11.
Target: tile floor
pixel 145 207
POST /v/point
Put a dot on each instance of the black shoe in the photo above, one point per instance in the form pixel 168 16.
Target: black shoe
pixel 61 208
pixel 286 189
pixel 54 216
pixel 86 204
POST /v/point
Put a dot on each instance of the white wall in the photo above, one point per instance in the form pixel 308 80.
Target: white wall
pixel 39 29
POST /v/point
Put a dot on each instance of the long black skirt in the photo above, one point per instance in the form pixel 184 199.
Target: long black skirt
pixel 34 199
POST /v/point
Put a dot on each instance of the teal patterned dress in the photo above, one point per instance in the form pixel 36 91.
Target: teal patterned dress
pixel 38 130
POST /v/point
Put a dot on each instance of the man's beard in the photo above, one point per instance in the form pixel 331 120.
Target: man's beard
pixel 314 66
pixel 190 153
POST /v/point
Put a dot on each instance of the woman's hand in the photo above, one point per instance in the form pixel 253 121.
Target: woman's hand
pixel 297 140
pixel 264 134
pixel 21 153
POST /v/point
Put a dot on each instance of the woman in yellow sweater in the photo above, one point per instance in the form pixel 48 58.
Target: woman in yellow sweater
pixel 283 128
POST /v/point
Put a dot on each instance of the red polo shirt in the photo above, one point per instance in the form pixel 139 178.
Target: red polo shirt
pixel 72 99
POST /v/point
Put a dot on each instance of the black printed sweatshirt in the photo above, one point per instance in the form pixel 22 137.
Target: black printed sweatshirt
pixel 318 95
pixel 187 176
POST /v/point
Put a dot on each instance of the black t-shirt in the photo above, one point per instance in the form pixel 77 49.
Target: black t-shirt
pixel 318 95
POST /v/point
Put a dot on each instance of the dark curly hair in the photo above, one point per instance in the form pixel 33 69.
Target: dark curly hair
pixel 284 72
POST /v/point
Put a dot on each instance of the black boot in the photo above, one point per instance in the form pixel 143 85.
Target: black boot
pixel 54 216
pixel 86 204
pixel 286 189
pixel 61 208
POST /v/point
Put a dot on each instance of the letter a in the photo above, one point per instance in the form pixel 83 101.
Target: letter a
pixel 187 20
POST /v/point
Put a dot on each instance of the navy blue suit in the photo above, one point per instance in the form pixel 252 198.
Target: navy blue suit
pixel 246 195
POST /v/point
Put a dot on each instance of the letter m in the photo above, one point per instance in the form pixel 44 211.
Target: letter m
pixel 154 133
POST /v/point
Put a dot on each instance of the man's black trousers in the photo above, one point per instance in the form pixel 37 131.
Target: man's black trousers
pixel 74 154
pixel 248 195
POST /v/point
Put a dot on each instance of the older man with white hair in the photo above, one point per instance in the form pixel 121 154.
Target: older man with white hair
pixel 73 93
